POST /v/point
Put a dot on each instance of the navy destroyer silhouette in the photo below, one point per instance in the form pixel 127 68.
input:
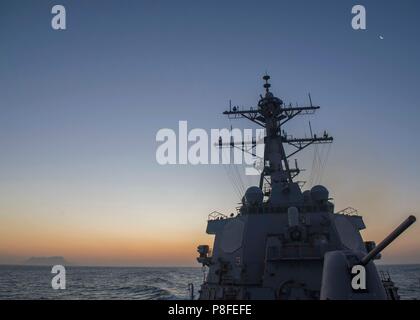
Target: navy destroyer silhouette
pixel 285 243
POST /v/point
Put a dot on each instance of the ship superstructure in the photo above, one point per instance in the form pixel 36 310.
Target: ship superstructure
pixel 285 243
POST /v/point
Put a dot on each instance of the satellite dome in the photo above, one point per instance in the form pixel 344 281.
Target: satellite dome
pixel 319 193
pixel 307 196
pixel 254 196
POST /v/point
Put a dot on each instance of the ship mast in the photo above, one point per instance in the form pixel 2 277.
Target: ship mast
pixel 272 114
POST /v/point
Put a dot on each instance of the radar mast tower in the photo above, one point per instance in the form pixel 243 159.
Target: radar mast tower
pixel 272 114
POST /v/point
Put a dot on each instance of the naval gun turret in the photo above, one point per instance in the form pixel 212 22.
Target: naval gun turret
pixel 285 243
pixel 337 282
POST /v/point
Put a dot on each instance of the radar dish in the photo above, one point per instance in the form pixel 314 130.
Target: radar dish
pixel 232 236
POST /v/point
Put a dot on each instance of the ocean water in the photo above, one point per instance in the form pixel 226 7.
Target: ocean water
pixel 34 282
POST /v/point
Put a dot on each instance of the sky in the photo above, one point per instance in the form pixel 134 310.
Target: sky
pixel 80 109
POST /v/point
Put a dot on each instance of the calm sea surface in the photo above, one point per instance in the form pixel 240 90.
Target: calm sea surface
pixel 26 282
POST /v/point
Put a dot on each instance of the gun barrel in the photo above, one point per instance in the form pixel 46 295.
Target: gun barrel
pixel 391 237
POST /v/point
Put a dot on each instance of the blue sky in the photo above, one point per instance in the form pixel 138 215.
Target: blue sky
pixel 80 109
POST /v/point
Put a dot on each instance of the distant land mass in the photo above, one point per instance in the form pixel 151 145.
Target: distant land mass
pixel 46 261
